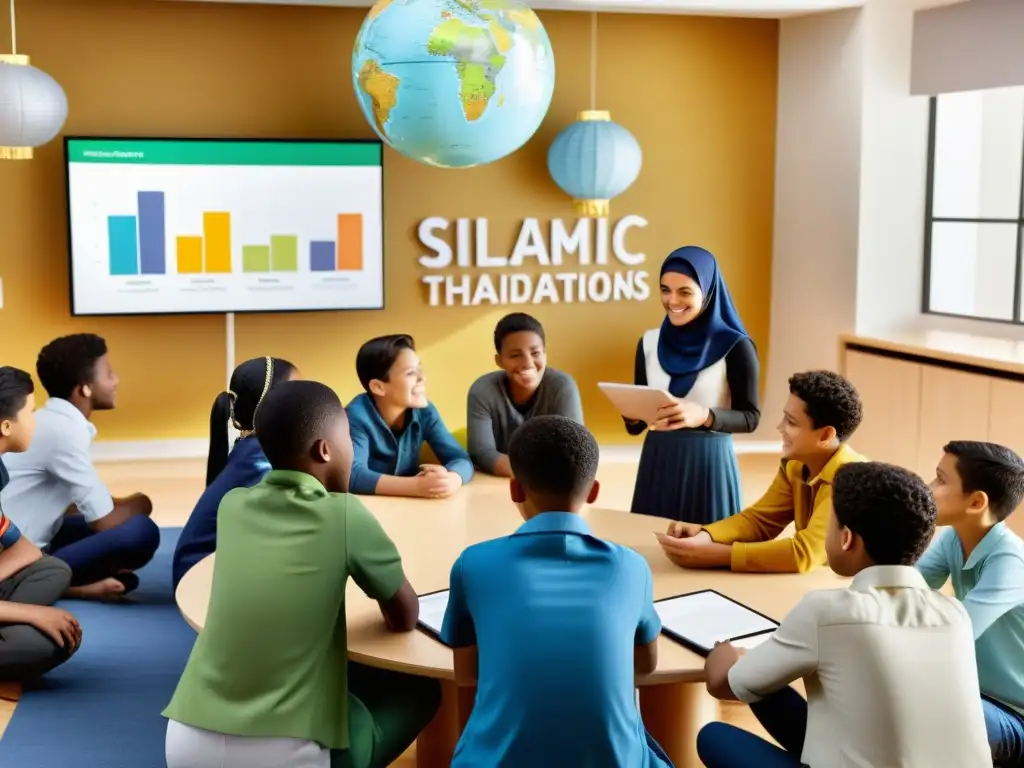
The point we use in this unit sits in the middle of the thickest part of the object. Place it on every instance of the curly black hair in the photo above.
(15, 387)
(69, 362)
(516, 322)
(889, 507)
(831, 401)
(991, 468)
(554, 456)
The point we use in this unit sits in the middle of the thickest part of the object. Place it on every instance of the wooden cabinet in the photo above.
(954, 406)
(914, 406)
(891, 392)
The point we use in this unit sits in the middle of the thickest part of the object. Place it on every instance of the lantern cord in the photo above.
(593, 57)
(14, 31)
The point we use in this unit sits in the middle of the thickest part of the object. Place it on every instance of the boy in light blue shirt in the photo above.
(551, 622)
(391, 422)
(977, 486)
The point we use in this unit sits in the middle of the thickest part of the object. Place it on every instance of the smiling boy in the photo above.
(822, 412)
(524, 387)
(392, 420)
(976, 487)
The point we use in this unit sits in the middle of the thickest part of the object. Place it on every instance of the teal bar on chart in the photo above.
(124, 244)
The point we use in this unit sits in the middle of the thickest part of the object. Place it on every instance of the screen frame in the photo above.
(426, 628)
(229, 140)
(696, 647)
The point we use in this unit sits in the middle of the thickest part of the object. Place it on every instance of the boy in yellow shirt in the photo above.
(822, 412)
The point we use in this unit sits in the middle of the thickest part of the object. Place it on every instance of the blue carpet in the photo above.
(102, 708)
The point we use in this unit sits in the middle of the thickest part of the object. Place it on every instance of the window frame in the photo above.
(930, 220)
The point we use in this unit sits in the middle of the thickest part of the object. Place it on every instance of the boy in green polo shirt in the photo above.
(268, 684)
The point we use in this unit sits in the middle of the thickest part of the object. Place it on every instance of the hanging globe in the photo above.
(33, 107)
(594, 160)
(453, 84)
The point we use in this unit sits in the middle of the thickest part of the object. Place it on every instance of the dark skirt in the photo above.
(689, 475)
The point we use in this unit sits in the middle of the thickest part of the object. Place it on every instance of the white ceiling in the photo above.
(760, 8)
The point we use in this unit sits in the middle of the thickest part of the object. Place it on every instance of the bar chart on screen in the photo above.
(194, 226)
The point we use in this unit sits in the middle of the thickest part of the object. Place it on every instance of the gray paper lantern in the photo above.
(33, 108)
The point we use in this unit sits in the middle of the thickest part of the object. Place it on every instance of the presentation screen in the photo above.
(176, 226)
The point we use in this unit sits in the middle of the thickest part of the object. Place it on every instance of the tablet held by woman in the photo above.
(703, 356)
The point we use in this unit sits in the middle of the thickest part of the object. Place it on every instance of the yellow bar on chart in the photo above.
(217, 234)
(190, 255)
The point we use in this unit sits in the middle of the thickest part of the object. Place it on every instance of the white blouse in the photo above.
(711, 389)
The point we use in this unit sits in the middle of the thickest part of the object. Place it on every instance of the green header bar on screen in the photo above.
(156, 152)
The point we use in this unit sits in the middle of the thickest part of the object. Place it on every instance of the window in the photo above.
(974, 214)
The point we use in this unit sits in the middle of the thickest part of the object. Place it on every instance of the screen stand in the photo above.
(229, 359)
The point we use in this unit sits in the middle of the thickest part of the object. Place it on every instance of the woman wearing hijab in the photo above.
(242, 466)
(704, 357)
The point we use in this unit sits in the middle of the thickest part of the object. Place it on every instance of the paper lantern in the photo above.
(33, 107)
(594, 160)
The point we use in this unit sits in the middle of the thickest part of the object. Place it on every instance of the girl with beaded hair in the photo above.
(228, 467)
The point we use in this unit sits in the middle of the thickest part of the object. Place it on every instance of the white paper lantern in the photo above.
(33, 107)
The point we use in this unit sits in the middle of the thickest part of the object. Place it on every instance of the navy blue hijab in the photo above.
(686, 350)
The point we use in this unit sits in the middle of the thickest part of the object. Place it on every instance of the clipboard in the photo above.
(636, 403)
(697, 620)
(430, 620)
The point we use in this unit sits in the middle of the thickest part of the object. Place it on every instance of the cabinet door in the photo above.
(1006, 427)
(890, 391)
(954, 406)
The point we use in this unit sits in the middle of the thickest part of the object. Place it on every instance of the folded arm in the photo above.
(763, 520)
(71, 463)
(801, 553)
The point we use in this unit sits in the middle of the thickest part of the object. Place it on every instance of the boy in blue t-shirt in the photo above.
(553, 622)
(976, 487)
(391, 422)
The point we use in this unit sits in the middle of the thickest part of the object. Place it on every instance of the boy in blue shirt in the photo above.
(976, 487)
(392, 420)
(552, 622)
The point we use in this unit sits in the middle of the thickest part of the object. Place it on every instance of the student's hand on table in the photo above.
(682, 414)
(678, 530)
(437, 484)
(437, 469)
(57, 624)
(698, 551)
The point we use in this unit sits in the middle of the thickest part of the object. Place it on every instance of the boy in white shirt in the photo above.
(888, 664)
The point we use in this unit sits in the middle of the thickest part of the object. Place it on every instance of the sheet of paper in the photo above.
(705, 618)
(432, 608)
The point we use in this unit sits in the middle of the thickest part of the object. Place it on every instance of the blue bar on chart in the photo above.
(124, 245)
(321, 256)
(152, 236)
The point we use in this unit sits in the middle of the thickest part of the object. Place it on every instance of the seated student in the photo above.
(55, 495)
(243, 467)
(888, 664)
(976, 487)
(553, 622)
(822, 412)
(392, 420)
(34, 636)
(499, 402)
(268, 683)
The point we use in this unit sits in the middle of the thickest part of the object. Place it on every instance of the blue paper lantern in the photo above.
(594, 160)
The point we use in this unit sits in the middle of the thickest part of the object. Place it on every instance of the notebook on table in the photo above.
(432, 608)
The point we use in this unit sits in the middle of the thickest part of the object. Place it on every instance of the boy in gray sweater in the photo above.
(524, 387)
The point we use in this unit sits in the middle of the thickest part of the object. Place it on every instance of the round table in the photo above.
(430, 536)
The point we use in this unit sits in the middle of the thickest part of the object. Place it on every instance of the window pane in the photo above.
(979, 138)
(972, 269)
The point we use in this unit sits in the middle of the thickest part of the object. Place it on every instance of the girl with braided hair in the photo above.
(227, 467)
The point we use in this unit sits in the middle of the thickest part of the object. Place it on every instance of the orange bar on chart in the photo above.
(350, 241)
(190, 255)
(217, 233)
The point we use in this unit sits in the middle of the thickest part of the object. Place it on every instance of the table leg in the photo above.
(673, 714)
(436, 743)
